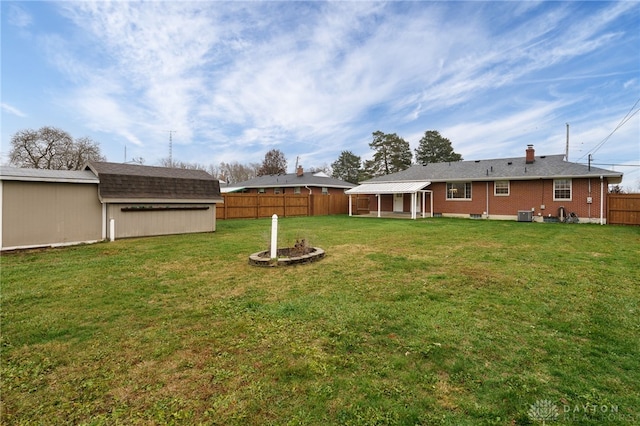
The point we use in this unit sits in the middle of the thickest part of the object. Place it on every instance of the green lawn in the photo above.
(436, 321)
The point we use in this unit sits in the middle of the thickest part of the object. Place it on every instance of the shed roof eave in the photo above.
(49, 180)
(109, 200)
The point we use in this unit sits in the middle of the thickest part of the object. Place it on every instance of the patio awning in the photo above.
(406, 187)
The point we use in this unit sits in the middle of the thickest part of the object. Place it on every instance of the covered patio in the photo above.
(414, 188)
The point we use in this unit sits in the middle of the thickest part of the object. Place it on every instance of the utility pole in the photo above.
(171, 132)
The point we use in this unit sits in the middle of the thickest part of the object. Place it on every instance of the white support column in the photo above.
(413, 205)
(350, 207)
(379, 202)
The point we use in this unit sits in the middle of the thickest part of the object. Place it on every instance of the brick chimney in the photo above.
(531, 155)
(299, 171)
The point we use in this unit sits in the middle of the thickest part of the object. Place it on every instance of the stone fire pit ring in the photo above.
(284, 257)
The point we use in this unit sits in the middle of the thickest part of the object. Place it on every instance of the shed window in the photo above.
(562, 189)
(458, 190)
(501, 187)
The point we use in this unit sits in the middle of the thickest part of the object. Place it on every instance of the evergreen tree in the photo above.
(392, 155)
(433, 148)
(347, 167)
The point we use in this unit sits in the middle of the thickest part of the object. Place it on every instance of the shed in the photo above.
(144, 200)
(40, 208)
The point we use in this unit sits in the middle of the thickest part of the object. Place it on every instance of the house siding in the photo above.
(523, 195)
(40, 214)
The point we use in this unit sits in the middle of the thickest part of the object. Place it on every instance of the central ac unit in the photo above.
(525, 216)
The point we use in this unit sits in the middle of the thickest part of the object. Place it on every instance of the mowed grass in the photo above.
(436, 321)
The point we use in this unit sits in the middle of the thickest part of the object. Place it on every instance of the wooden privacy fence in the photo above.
(254, 206)
(623, 209)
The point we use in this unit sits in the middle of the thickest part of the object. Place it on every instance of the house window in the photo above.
(296, 190)
(325, 190)
(562, 189)
(458, 190)
(261, 191)
(501, 187)
(277, 190)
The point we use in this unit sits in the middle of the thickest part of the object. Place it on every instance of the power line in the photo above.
(624, 120)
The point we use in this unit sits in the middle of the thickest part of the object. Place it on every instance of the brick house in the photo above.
(291, 183)
(538, 188)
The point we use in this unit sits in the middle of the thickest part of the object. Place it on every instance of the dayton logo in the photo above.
(543, 411)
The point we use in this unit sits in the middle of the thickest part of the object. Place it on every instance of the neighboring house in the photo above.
(523, 188)
(41, 208)
(292, 183)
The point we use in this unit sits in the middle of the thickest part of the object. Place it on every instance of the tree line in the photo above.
(53, 148)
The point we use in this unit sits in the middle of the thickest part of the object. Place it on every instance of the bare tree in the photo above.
(274, 163)
(236, 172)
(51, 148)
(166, 162)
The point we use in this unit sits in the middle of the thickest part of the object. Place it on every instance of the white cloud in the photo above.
(18, 17)
(12, 110)
(313, 79)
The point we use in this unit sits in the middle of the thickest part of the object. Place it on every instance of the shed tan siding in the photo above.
(137, 220)
(37, 214)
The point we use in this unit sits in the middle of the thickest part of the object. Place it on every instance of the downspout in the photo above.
(487, 207)
(431, 201)
(601, 200)
(308, 189)
(104, 221)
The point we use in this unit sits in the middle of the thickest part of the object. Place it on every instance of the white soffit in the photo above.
(389, 187)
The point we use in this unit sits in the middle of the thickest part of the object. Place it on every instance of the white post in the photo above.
(112, 229)
(274, 236)
(350, 207)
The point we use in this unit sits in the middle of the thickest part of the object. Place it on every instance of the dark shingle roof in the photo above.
(129, 181)
(293, 180)
(544, 167)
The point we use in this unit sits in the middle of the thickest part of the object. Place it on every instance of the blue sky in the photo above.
(236, 79)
